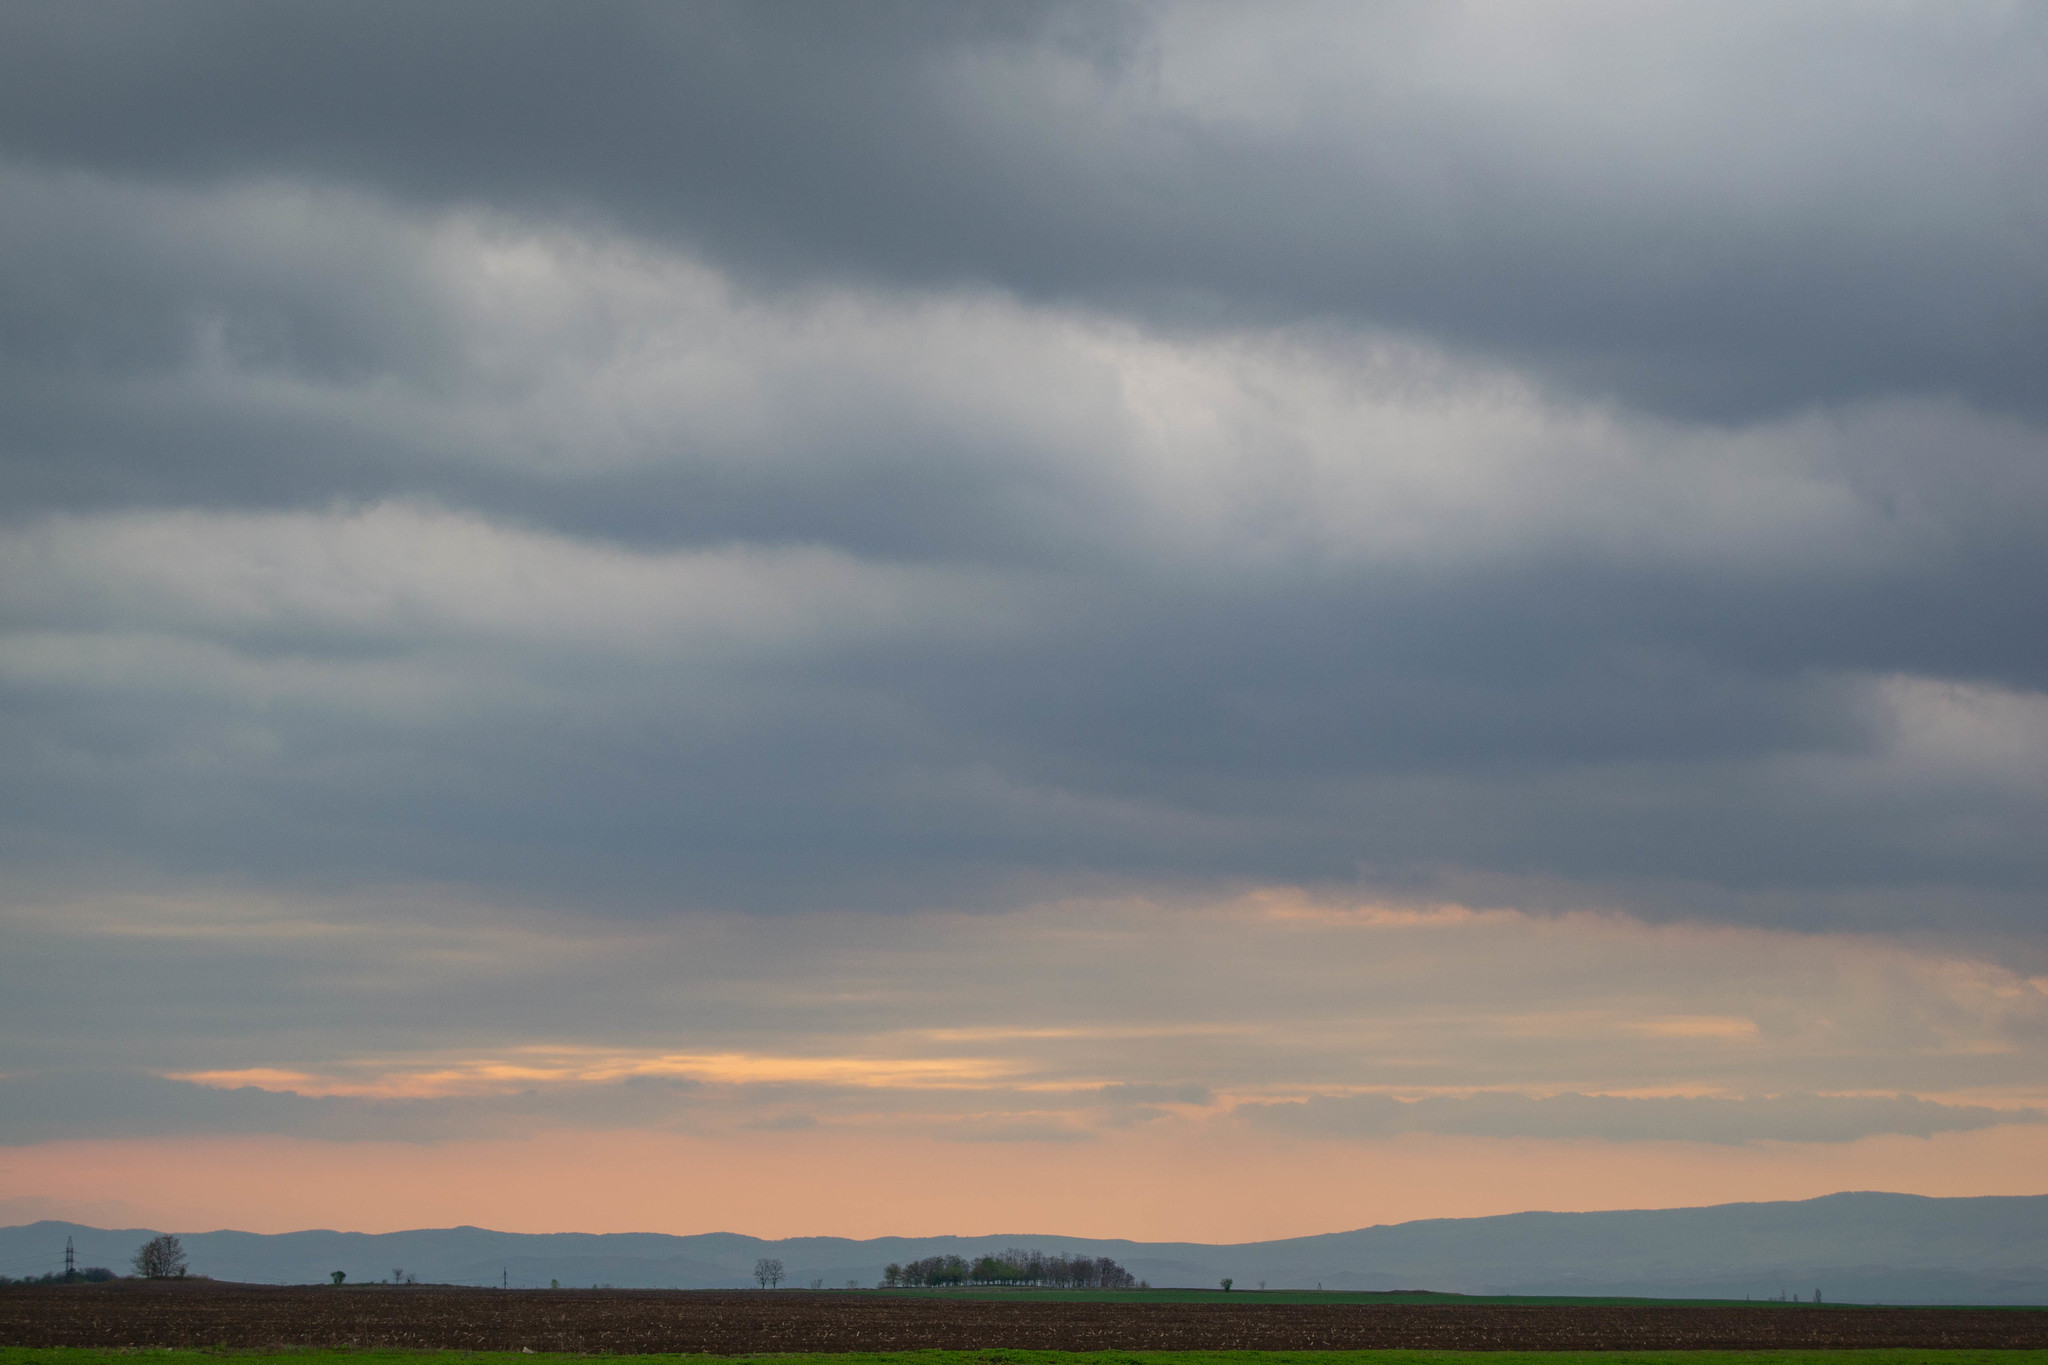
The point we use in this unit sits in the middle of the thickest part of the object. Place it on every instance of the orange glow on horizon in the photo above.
(1153, 1185)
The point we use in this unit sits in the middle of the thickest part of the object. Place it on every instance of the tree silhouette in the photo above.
(162, 1257)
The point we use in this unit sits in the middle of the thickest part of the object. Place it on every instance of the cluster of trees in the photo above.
(1015, 1266)
(768, 1272)
(160, 1258)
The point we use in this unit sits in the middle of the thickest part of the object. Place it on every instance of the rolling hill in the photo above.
(1856, 1247)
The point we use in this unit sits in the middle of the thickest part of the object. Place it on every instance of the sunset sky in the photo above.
(1150, 620)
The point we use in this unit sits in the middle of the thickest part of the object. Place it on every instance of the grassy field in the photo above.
(16, 1355)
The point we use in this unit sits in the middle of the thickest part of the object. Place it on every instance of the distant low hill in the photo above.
(1870, 1248)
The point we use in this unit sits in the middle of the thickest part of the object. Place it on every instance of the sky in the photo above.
(1153, 620)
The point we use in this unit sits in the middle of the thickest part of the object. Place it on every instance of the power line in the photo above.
(25, 1264)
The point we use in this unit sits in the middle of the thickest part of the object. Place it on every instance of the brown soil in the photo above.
(728, 1322)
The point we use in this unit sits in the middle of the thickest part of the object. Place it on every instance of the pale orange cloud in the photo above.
(527, 1067)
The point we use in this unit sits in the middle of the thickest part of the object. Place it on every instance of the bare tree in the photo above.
(162, 1257)
(768, 1272)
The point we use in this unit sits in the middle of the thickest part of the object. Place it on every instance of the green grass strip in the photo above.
(27, 1355)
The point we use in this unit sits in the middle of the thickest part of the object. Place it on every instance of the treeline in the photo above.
(1013, 1267)
(96, 1274)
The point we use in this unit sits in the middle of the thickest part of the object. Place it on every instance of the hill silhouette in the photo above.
(1854, 1247)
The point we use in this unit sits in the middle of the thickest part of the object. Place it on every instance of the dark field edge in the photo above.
(24, 1355)
(1395, 1296)
(1239, 1297)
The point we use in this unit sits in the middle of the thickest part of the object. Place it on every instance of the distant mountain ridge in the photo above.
(1857, 1247)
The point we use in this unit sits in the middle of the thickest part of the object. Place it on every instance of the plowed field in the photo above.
(725, 1322)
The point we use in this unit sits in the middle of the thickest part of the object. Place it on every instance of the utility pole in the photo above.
(70, 1260)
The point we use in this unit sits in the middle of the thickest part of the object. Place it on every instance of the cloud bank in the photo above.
(484, 486)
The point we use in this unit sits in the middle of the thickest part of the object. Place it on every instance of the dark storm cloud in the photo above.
(1731, 210)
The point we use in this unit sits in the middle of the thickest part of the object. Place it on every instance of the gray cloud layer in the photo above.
(1723, 210)
(1775, 1118)
(770, 456)
(47, 1108)
(1069, 1022)
(114, 1105)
